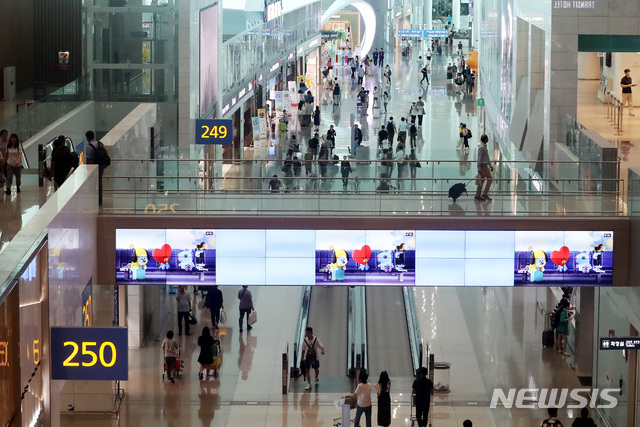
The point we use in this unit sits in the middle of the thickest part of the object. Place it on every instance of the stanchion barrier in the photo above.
(619, 119)
(363, 366)
(285, 371)
(609, 104)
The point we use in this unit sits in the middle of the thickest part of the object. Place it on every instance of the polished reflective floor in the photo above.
(490, 336)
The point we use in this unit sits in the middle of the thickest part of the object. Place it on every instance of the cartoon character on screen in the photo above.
(537, 261)
(361, 257)
(385, 261)
(140, 258)
(162, 256)
(583, 262)
(560, 259)
(185, 260)
(339, 261)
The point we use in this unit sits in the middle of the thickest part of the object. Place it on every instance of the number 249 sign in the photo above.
(214, 131)
(89, 354)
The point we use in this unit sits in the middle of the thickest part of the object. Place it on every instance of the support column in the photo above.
(455, 14)
(428, 14)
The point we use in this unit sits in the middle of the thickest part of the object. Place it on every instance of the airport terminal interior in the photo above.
(444, 191)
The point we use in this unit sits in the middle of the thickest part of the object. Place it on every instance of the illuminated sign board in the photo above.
(214, 131)
(620, 343)
(89, 354)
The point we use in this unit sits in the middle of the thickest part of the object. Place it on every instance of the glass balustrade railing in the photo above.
(248, 186)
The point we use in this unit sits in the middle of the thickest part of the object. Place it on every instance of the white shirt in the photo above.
(402, 126)
(309, 343)
(363, 393)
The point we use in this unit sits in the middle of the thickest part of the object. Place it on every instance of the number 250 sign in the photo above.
(214, 131)
(89, 354)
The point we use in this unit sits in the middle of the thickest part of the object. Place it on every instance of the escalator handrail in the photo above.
(303, 317)
(357, 326)
(413, 326)
(49, 146)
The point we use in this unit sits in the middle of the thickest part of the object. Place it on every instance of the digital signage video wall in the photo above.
(364, 257)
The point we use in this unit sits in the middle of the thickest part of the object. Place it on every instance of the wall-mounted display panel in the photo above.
(364, 257)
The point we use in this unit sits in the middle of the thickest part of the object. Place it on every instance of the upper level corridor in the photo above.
(244, 185)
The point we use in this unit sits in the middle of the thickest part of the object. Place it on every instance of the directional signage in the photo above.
(436, 33)
(480, 102)
(422, 33)
(214, 131)
(410, 33)
(620, 343)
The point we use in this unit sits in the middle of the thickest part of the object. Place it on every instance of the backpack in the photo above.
(101, 156)
(391, 128)
(469, 135)
(311, 356)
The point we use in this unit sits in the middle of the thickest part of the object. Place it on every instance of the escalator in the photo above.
(328, 317)
(388, 347)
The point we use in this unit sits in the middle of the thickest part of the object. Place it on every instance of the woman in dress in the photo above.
(205, 341)
(383, 387)
(14, 163)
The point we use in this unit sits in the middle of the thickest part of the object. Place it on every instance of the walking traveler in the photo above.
(484, 170)
(245, 306)
(309, 355)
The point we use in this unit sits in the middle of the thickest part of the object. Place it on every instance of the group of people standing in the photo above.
(422, 387)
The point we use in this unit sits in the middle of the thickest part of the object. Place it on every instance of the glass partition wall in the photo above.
(131, 52)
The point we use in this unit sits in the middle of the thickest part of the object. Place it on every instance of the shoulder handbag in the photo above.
(253, 317)
(192, 320)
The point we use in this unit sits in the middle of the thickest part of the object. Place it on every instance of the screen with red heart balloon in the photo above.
(364, 257)
(165, 257)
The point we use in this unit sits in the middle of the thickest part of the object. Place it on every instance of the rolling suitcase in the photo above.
(456, 190)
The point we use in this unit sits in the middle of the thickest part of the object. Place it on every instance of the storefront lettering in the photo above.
(574, 4)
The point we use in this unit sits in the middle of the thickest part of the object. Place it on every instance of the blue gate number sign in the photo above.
(89, 354)
(214, 131)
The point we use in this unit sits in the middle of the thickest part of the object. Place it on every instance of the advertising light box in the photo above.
(363, 257)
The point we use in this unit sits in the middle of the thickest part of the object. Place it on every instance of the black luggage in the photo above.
(456, 190)
(335, 159)
(547, 338)
(305, 120)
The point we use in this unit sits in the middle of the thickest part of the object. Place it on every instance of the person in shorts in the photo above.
(626, 84)
(310, 348)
